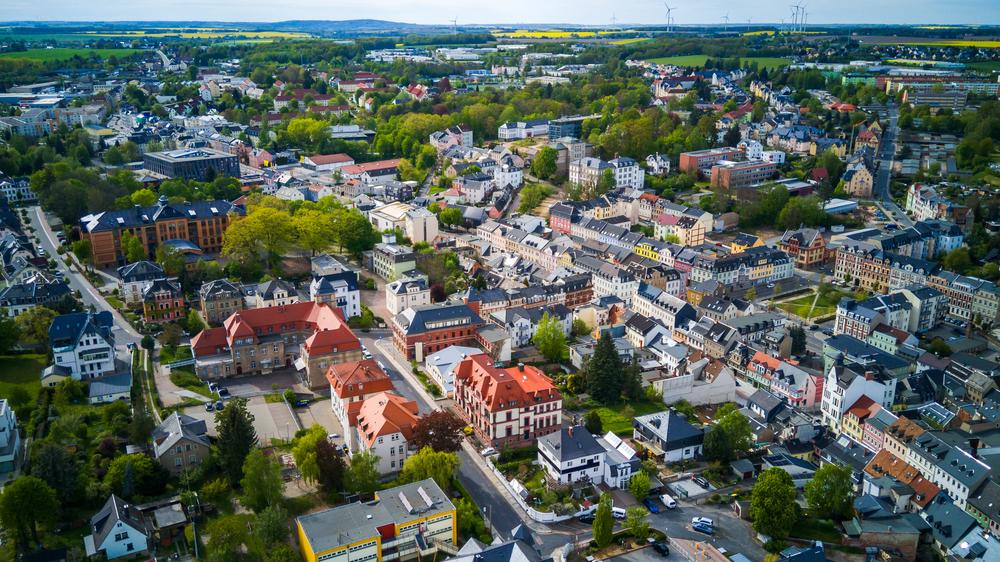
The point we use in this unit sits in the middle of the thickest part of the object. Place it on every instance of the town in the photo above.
(364, 291)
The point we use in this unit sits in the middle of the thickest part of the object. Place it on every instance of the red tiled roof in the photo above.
(357, 378)
(385, 414)
(765, 359)
(503, 389)
(323, 159)
(371, 166)
(863, 408)
(328, 323)
(884, 462)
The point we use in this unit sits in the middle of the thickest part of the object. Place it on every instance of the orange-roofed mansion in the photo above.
(506, 407)
(305, 336)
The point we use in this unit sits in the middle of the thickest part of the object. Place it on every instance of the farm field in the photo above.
(206, 33)
(66, 53)
(554, 33)
(770, 63)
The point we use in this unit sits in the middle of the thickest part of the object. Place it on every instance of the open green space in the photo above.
(825, 305)
(619, 419)
(171, 354)
(770, 63)
(66, 53)
(22, 371)
(985, 66)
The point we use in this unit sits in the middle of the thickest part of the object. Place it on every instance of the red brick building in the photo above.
(805, 245)
(701, 161)
(163, 301)
(422, 330)
(506, 407)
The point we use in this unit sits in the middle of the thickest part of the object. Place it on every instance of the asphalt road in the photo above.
(886, 154)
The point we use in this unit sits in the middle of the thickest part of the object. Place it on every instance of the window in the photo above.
(129, 547)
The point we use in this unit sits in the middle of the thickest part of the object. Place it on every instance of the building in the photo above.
(844, 386)
(668, 435)
(522, 323)
(805, 246)
(403, 522)
(384, 425)
(132, 279)
(163, 301)
(351, 383)
(202, 164)
(506, 407)
(181, 443)
(924, 203)
(441, 365)
(201, 223)
(219, 300)
(738, 179)
(701, 161)
(406, 293)
(423, 330)
(859, 176)
(83, 345)
(118, 530)
(338, 289)
(273, 292)
(417, 223)
(306, 335)
(515, 130)
(327, 162)
(569, 126)
(587, 171)
(37, 290)
(390, 261)
(571, 455)
(10, 440)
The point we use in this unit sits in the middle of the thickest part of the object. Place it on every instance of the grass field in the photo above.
(66, 53)
(770, 63)
(629, 41)
(986, 66)
(770, 32)
(21, 370)
(203, 33)
(825, 305)
(619, 420)
(981, 43)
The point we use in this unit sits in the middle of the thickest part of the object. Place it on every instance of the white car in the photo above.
(703, 520)
(668, 501)
(488, 452)
(333, 436)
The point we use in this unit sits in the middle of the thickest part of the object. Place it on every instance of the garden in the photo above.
(521, 464)
(809, 306)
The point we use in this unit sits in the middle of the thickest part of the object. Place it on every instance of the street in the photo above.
(883, 177)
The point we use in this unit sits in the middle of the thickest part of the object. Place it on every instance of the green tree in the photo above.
(750, 294)
(81, 249)
(272, 526)
(56, 466)
(33, 324)
(732, 136)
(632, 380)
(639, 485)
(264, 230)
(550, 338)
(958, 260)
(237, 437)
(717, 446)
(262, 483)
(830, 493)
(332, 469)
(593, 423)
(10, 334)
(451, 217)
(304, 451)
(606, 183)
(603, 522)
(798, 336)
(363, 475)
(470, 520)
(354, 234)
(428, 463)
(737, 429)
(314, 229)
(227, 536)
(27, 503)
(132, 247)
(144, 197)
(544, 165)
(580, 328)
(194, 323)
(636, 523)
(135, 474)
(772, 505)
(604, 369)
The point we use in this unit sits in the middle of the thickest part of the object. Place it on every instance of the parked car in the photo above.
(662, 548)
(212, 387)
(219, 405)
(650, 505)
(586, 518)
(618, 512)
(701, 482)
(333, 436)
(224, 393)
(366, 354)
(702, 528)
(209, 407)
(814, 327)
(702, 521)
(488, 452)
(668, 501)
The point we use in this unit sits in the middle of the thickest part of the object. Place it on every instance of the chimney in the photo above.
(570, 431)
(869, 375)
(520, 367)
(974, 447)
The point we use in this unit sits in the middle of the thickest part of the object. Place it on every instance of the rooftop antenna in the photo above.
(670, 17)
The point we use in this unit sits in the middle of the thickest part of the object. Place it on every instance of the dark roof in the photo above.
(140, 271)
(161, 285)
(572, 443)
(266, 289)
(105, 520)
(142, 216)
(33, 293)
(67, 329)
(220, 288)
(421, 319)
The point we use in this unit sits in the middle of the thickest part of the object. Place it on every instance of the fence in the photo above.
(540, 516)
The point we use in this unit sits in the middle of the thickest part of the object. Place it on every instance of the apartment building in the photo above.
(417, 223)
(701, 161)
(757, 265)
(220, 299)
(806, 247)
(163, 301)
(406, 293)
(423, 330)
(738, 179)
(845, 385)
(83, 345)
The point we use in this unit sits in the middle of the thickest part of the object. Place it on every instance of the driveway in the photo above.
(320, 413)
(270, 420)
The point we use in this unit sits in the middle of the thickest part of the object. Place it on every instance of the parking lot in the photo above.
(688, 488)
(320, 412)
(270, 420)
(258, 385)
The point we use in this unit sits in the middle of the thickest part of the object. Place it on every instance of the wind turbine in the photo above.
(795, 17)
(725, 21)
(613, 19)
(454, 26)
(670, 17)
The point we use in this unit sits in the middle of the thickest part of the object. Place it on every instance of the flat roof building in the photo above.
(192, 163)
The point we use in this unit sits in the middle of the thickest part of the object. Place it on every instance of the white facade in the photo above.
(774, 156)
(752, 149)
(10, 438)
(628, 173)
(391, 450)
(838, 397)
(508, 176)
(91, 357)
(403, 294)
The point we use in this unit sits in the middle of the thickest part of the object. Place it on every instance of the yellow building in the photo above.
(744, 242)
(404, 522)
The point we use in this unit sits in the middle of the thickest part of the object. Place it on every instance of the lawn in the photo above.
(825, 305)
(171, 354)
(816, 530)
(23, 371)
(619, 419)
(184, 377)
(770, 63)
(66, 53)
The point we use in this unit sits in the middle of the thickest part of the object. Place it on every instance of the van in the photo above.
(668, 501)
(618, 513)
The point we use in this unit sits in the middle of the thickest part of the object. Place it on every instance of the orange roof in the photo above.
(323, 159)
(503, 389)
(905, 429)
(328, 323)
(385, 414)
(770, 362)
(649, 197)
(863, 408)
(357, 378)
(371, 166)
(886, 463)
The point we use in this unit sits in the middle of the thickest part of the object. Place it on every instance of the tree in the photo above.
(170, 259)
(262, 484)
(18, 397)
(171, 336)
(603, 522)
(550, 338)
(227, 535)
(958, 260)
(148, 343)
(639, 485)
(636, 523)
(314, 229)
(737, 429)
(10, 334)
(580, 328)
(830, 493)
(604, 372)
(593, 423)
(132, 248)
(470, 520)
(332, 469)
(354, 234)
(135, 474)
(34, 323)
(237, 437)
(750, 294)
(143, 197)
(451, 217)
(81, 249)
(264, 230)
(440, 430)
(194, 323)
(607, 182)
(798, 336)
(732, 136)
(304, 451)
(717, 446)
(363, 475)
(632, 380)
(55, 465)
(544, 165)
(772, 505)
(26, 503)
(428, 463)
(272, 526)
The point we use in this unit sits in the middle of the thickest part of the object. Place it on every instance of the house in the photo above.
(110, 389)
(805, 245)
(132, 279)
(441, 365)
(384, 425)
(400, 522)
(10, 440)
(801, 471)
(162, 301)
(571, 455)
(83, 345)
(506, 407)
(423, 330)
(390, 261)
(326, 162)
(743, 242)
(117, 531)
(37, 290)
(845, 385)
(859, 176)
(181, 443)
(522, 323)
(338, 289)
(219, 300)
(417, 223)
(308, 335)
(406, 293)
(351, 383)
(274, 292)
(668, 435)
(620, 461)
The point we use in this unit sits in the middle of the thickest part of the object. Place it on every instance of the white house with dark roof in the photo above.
(117, 530)
(669, 435)
(10, 440)
(571, 455)
(132, 278)
(83, 346)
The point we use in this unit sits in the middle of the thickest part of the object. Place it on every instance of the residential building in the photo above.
(308, 335)
(844, 386)
(199, 223)
(740, 179)
(337, 289)
(417, 223)
(132, 279)
(118, 530)
(702, 161)
(458, 135)
(181, 443)
(956, 471)
(754, 265)
(200, 164)
(423, 330)
(37, 290)
(924, 203)
(522, 323)
(163, 301)
(806, 247)
(668, 435)
(506, 407)
(655, 303)
(351, 383)
(385, 424)
(274, 292)
(588, 171)
(390, 261)
(441, 365)
(860, 318)
(571, 455)
(410, 292)
(515, 130)
(83, 345)
(219, 300)
(859, 176)
(402, 522)
(11, 447)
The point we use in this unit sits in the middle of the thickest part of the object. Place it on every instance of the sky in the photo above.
(581, 12)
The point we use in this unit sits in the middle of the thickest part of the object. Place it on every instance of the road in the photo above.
(124, 332)
(883, 177)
